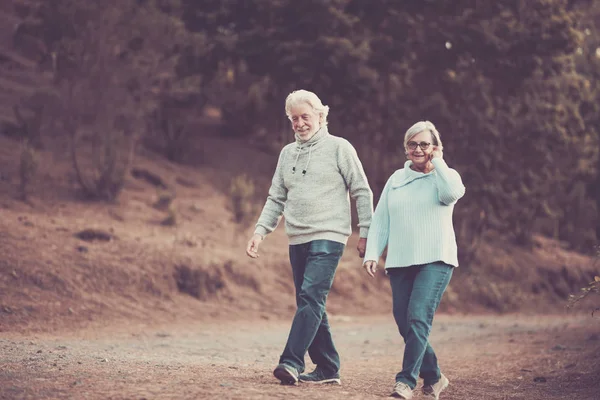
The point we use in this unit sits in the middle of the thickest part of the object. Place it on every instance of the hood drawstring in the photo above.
(307, 161)
(321, 134)
(296, 162)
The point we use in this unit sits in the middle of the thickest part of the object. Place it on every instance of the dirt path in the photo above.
(486, 357)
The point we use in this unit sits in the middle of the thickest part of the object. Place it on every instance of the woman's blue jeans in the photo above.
(416, 293)
(313, 266)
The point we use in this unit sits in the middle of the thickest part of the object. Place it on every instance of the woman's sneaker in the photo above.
(402, 391)
(433, 391)
(286, 374)
(318, 377)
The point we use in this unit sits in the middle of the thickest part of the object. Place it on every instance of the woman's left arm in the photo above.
(449, 182)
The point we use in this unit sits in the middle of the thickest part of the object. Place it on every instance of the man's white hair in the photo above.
(304, 96)
(420, 127)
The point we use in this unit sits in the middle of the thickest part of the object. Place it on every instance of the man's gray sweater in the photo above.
(311, 188)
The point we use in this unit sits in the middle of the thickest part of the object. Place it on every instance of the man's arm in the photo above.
(358, 187)
(272, 210)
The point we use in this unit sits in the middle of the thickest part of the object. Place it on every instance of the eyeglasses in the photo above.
(422, 145)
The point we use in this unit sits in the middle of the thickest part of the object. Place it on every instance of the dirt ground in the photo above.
(485, 357)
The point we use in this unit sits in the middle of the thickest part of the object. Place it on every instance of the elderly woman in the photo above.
(414, 220)
(314, 179)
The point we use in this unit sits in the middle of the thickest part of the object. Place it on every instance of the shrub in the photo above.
(592, 287)
(27, 168)
(199, 283)
(241, 192)
(102, 162)
(164, 199)
(171, 218)
(30, 124)
(170, 125)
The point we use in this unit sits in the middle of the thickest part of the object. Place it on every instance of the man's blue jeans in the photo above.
(313, 266)
(416, 293)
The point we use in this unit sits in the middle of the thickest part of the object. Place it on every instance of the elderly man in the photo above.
(315, 177)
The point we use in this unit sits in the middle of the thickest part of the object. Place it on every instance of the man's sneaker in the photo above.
(286, 374)
(433, 391)
(318, 377)
(402, 391)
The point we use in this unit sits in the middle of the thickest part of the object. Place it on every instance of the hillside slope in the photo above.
(129, 266)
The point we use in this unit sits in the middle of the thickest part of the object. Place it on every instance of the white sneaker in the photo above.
(433, 391)
(402, 391)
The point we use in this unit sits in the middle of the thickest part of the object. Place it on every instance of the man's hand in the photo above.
(371, 267)
(252, 247)
(361, 247)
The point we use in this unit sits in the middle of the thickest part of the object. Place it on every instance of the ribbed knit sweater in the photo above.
(311, 188)
(414, 217)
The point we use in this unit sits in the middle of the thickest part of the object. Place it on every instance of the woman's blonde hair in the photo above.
(420, 127)
(304, 96)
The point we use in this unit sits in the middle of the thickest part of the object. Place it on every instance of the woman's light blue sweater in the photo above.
(414, 217)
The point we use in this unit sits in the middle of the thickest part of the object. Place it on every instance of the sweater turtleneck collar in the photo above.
(407, 175)
(317, 137)
(408, 166)
(310, 143)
